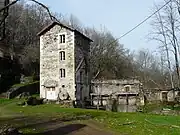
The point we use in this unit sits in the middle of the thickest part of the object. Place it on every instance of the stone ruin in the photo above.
(126, 94)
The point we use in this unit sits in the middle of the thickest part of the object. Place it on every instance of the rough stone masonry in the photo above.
(64, 54)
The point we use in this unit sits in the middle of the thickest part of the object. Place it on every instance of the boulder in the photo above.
(23, 95)
(13, 131)
(21, 103)
(9, 131)
(34, 101)
(40, 101)
(45, 100)
(31, 101)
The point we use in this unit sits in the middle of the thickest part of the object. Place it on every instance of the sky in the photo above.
(118, 16)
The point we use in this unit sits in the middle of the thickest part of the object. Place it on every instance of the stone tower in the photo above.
(64, 63)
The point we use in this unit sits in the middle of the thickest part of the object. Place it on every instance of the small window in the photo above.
(127, 88)
(62, 55)
(62, 39)
(62, 73)
(164, 96)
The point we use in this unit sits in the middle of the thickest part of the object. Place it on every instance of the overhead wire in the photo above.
(142, 22)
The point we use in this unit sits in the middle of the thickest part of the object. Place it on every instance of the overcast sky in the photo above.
(118, 16)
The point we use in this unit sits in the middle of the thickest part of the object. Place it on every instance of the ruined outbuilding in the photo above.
(64, 63)
(157, 94)
(128, 93)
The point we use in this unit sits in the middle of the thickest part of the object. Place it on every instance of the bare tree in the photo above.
(108, 59)
(8, 4)
(166, 26)
(148, 67)
(160, 35)
(3, 16)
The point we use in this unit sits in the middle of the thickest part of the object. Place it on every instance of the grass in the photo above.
(158, 106)
(23, 84)
(122, 123)
(152, 107)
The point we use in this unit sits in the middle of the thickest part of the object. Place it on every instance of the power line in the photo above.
(141, 22)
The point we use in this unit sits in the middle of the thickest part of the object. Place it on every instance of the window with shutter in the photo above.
(62, 39)
(62, 73)
(62, 55)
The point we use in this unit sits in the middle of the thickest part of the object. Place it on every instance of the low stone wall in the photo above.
(103, 87)
(152, 96)
(32, 88)
(126, 108)
(128, 103)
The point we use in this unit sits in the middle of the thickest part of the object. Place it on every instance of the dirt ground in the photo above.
(75, 128)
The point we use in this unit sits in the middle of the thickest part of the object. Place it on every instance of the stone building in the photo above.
(64, 63)
(154, 95)
(128, 93)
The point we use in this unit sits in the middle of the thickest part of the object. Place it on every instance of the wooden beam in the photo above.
(79, 65)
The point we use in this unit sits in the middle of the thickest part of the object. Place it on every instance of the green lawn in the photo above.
(125, 123)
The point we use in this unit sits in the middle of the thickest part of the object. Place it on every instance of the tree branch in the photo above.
(47, 9)
(10, 4)
(35, 1)
(14, 2)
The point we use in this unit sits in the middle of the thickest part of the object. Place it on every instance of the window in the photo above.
(62, 39)
(62, 73)
(62, 55)
(127, 88)
(164, 96)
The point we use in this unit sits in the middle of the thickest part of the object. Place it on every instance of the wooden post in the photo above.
(91, 100)
(98, 99)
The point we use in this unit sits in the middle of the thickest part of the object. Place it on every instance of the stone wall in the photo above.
(127, 99)
(114, 86)
(48, 59)
(153, 95)
(30, 88)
